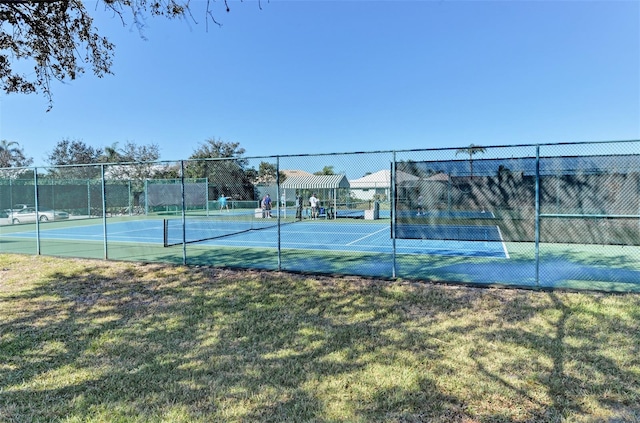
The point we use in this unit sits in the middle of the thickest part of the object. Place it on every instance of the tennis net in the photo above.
(449, 232)
(203, 228)
(353, 209)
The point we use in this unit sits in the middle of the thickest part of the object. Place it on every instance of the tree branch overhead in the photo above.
(59, 39)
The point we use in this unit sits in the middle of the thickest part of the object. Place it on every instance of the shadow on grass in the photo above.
(156, 343)
(256, 348)
(579, 374)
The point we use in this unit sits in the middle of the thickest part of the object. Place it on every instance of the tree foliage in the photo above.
(70, 152)
(268, 173)
(12, 155)
(139, 153)
(58, 40)
(133, 162)
(74, 152)
(224, 167)
(327, 170)
(218, 149)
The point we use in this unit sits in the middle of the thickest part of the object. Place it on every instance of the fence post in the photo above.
(184, 215)
(103, 190)
(37, 206)
(278, 210)
(537, 218)
(146, 197)
(393, 214)
(206, 195)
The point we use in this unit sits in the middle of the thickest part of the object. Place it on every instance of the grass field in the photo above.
(97, 341)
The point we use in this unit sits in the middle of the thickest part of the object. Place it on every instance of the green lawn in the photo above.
(96, 341)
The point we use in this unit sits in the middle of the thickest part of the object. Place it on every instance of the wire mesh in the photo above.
(548, 215)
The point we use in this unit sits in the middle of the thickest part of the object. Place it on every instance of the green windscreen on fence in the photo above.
(585, 200)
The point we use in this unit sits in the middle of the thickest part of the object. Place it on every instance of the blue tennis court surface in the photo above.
(307, 235)
(448, 214)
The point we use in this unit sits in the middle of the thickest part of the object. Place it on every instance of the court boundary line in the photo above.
(366, 236)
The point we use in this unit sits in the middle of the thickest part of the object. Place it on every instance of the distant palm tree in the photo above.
(327, 170)
(112, 154)
(9, 150)
(471, 150)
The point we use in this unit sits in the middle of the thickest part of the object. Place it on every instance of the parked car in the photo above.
(29, 215)
(5, 217)
(18, 207)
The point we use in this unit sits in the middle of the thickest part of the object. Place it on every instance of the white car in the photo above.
(5, 217)
(29, 215)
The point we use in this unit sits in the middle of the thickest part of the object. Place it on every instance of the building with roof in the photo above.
(330, 189)
(377, 185)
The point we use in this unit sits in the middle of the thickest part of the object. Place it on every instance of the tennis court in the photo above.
(319, 235)
(548, 215)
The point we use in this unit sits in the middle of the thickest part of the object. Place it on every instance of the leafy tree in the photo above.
(267, 173)
(218, 149)
(139, 153)
(12, 155)
(68, 152)
(111, 154)
(58, 38)
(327, 170)
(471, 151)
(224, 167)
(74, 152)
(168, 171)
(132, 162)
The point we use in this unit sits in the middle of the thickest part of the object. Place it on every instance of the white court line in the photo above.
(504, 246)
(367, 236)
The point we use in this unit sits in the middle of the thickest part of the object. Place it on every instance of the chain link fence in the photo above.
(542, 216)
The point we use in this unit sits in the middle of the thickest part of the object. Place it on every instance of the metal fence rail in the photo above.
(542, 216)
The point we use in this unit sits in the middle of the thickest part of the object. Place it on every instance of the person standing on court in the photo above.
(223, 202)
(266, 206)
(313, 202)
(298, 206)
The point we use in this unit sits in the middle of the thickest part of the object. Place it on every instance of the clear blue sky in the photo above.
(338, 76)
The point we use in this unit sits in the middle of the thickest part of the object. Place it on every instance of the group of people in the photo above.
(314, 203)
(266, 203)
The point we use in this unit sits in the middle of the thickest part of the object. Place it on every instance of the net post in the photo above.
(165, 232)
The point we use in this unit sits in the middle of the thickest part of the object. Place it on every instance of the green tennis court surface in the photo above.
(324, 235)
(344, 246)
